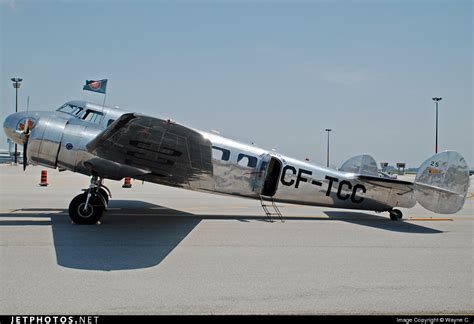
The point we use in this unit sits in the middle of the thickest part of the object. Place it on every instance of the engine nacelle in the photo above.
(58, 142)
(45, 140)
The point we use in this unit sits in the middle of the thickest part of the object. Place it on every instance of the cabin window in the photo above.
(247, 160)
(220, 153)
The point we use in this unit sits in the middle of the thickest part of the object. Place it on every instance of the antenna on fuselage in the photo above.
(102, 110)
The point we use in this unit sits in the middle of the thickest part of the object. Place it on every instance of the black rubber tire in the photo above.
(395, 214)
(89, 216)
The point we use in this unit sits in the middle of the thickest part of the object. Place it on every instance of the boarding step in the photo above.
(263, 200)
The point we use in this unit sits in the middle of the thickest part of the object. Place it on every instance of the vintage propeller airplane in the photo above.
(109, 143)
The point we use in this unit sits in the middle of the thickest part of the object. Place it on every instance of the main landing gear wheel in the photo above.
(83, 212)
(88, 207)
(395, 214)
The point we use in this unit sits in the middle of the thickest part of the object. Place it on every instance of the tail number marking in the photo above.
(343, 185)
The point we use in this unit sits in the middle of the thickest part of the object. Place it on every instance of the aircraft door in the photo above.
(268, 175)
(259, 180)
(272, 177)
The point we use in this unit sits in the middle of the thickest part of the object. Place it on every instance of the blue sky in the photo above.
(276, 73)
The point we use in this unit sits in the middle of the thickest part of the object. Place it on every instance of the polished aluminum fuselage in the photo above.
(299, 182)
(59, 140)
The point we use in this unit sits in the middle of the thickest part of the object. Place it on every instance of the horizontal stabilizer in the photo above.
(398, 193)
(442, 182)
(386, 182)
(361, 164)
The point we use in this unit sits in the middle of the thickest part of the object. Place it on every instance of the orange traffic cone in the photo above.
(127, 182)
(44, 178)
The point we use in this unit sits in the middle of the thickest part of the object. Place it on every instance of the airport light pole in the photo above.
(436, 99)
(16, 85)
(327, 155)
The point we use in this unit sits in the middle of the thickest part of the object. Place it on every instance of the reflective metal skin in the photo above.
(108, 143)
(361, 164)
(58, 139)
(442, 183)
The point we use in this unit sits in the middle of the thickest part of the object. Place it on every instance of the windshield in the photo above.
(70, 109)
(89, 115)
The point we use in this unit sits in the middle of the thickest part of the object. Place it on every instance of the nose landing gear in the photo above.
(88, 207)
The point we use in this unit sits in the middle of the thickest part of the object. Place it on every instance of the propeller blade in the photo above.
(25, 158)
(26, 132)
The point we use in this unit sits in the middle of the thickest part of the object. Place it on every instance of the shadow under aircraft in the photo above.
(141, 235)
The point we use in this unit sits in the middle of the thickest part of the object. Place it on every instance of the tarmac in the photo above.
(162, 250)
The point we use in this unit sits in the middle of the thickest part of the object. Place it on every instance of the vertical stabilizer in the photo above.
(442, 182)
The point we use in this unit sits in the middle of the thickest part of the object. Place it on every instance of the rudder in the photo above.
(442, 182)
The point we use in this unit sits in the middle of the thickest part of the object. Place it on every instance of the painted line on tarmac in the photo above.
(430, 219)
(24, 219)
(201, 207)
(151, 215)
(33, 211)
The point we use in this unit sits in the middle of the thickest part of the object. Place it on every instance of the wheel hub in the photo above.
(85, 210)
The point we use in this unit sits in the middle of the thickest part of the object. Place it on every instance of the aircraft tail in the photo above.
(442, 182)
(361, 164)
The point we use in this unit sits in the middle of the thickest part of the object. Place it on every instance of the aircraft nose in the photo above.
(11, 127)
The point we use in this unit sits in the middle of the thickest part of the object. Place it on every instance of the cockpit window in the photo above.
(65, 108)
(92, 116)
(79, 112)
(70, 109)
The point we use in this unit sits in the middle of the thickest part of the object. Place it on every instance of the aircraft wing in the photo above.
(173, 153)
